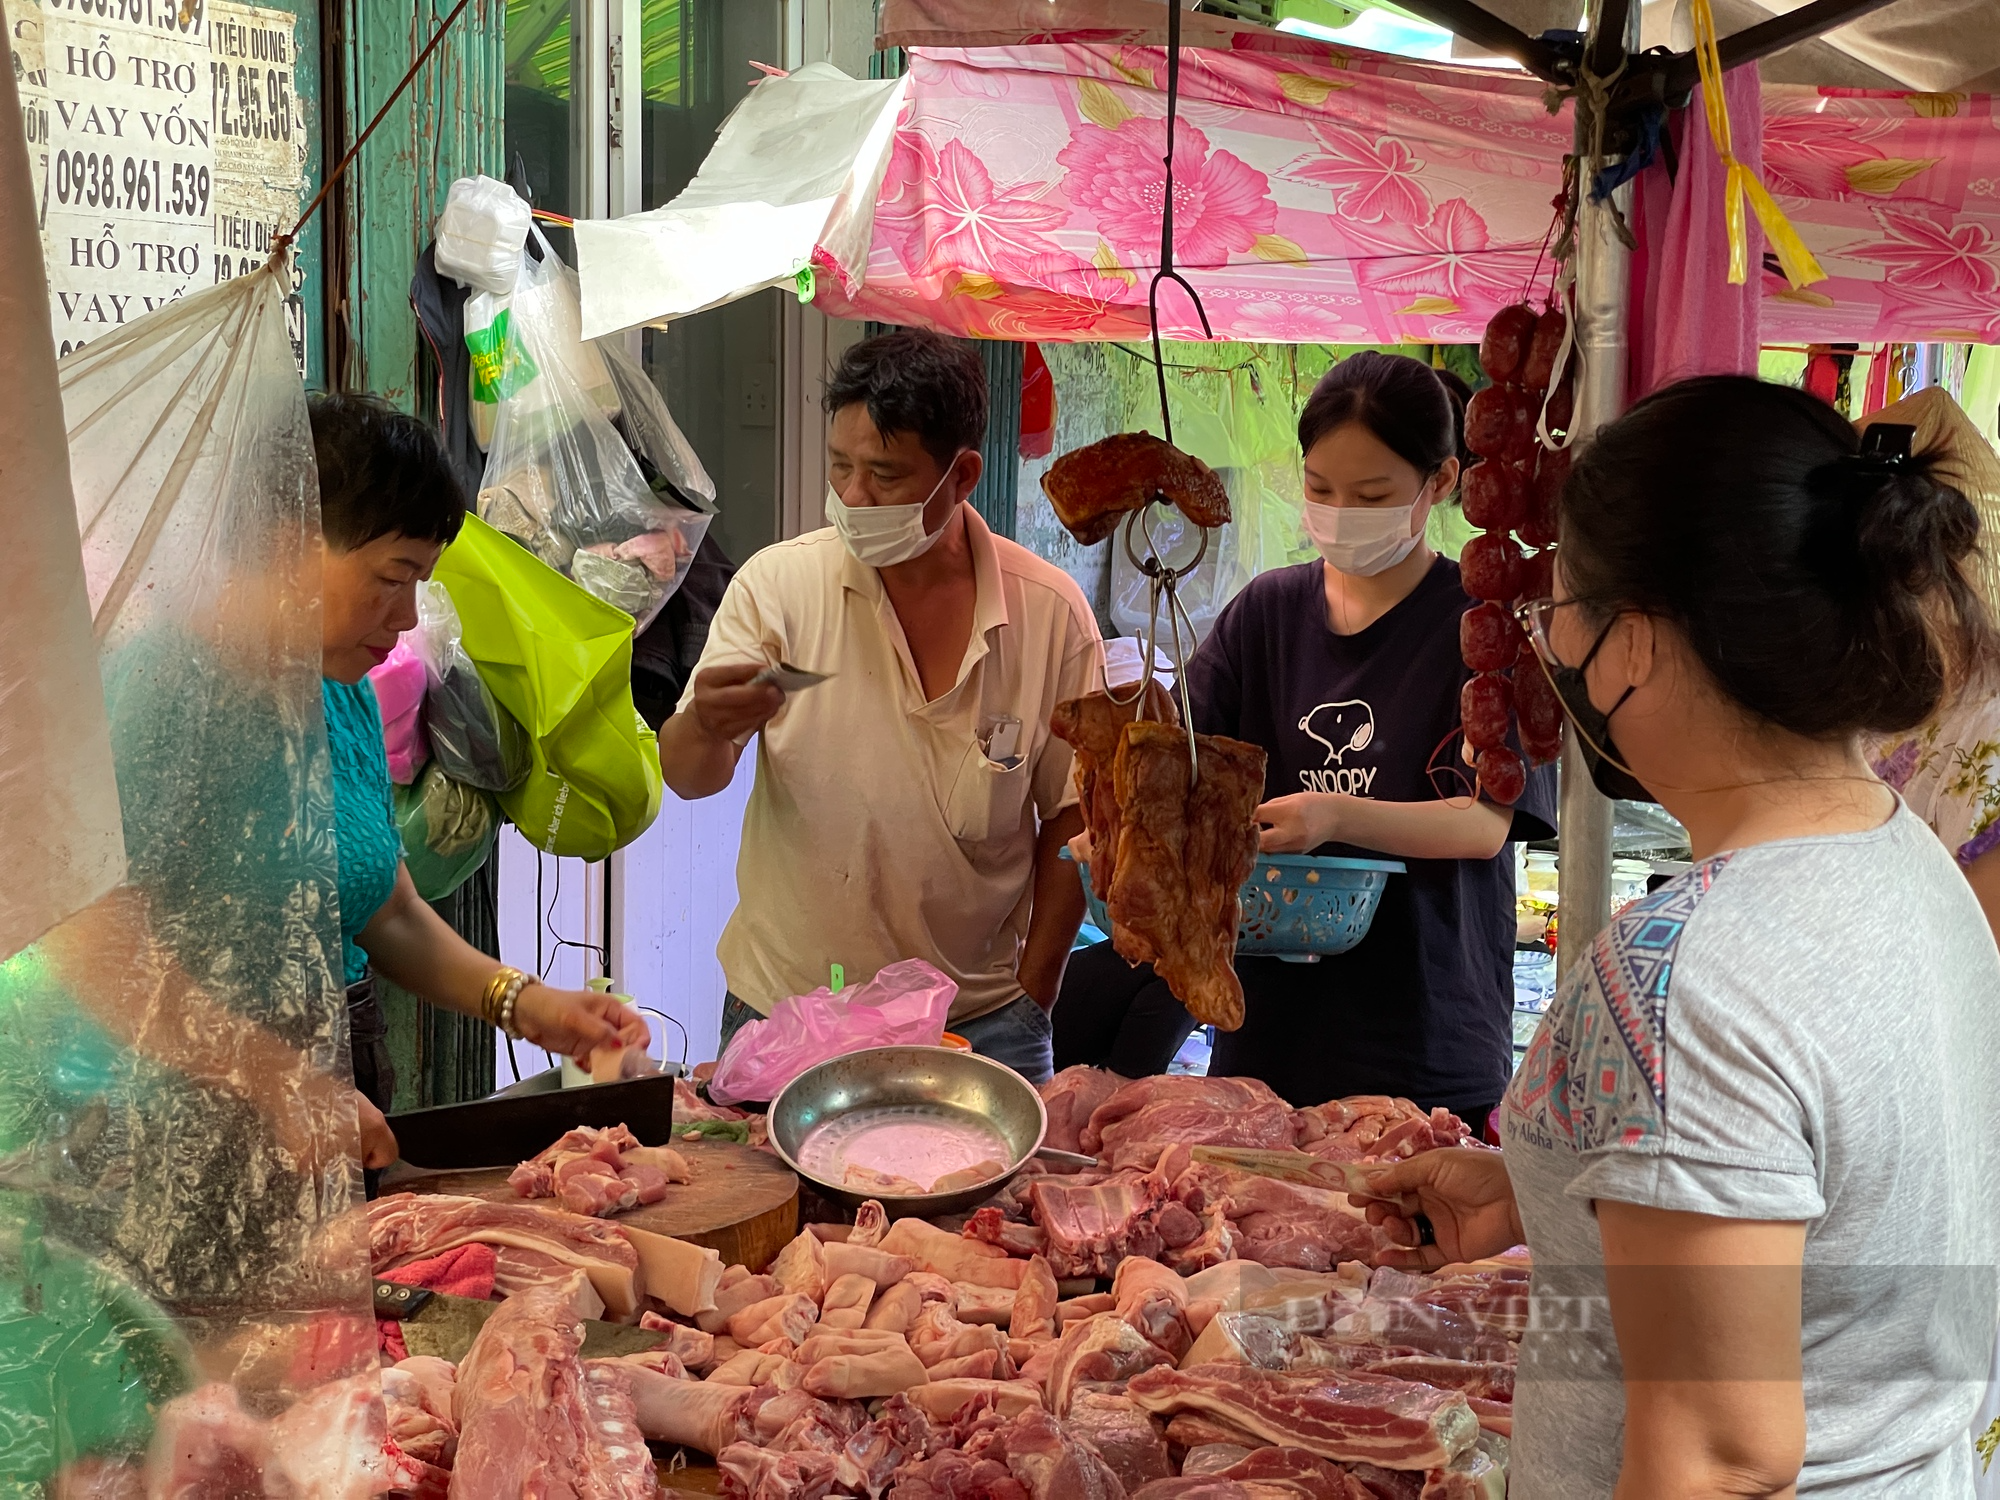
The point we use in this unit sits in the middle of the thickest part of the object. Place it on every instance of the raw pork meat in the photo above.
(1389, 1484)
(535, 1247)
(599, 1172)
(1093, 1226)
(1293, 1471)
(204, 1443)
(1281, 1223)
(1150, 1112)
(531, 1423)
(1490, 1380)
(1337, 1414)
(1071, 1097)
(691, 1109)
(1375, 1127)
(990, 1226)
(950, 1475)
(753, 1473)
(619, 1462)
(417, 1393)
(871, 1222)
(1046, 1460)
(1101, 1350)
(1131, 1441)
(1186, 846)
(331, 1444)
(900, 1434)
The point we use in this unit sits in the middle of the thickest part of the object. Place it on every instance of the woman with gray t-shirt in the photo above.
(1755, 1144)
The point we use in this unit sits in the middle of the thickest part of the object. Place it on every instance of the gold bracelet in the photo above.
(496, 989)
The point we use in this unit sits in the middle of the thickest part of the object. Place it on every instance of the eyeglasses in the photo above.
(1534, 616)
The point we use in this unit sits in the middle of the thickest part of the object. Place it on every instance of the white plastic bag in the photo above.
(904, 1005)
(480, 234)
(1220, 576)
(559, 477)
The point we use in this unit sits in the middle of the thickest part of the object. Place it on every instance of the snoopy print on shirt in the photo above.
(1344, 730)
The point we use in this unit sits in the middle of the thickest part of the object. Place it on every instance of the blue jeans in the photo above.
(1018, 1034)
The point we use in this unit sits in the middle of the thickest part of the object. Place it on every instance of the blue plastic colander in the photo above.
(1298, 907)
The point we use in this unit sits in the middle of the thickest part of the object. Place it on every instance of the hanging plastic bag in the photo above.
(1220, 576)
(497, 367)
(480, 234)
(904, 1005)
(560, 479)
(560, 661)
(475, 739)
(448, 828)
(181, 1200)
(653, 435)
(399, 694)
(668, 463)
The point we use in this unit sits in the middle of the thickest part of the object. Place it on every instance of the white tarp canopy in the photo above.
(796, 165)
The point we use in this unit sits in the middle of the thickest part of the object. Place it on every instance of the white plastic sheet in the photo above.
(58, 803)
(796, 165)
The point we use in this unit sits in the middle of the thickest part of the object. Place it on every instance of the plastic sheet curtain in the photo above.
(59, 825)
(177, 1249)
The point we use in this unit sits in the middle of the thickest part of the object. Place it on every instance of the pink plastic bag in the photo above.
(399, 692)
(904, 1005)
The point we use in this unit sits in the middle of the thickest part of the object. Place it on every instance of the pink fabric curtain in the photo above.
(1319, 195)
(1686, 317)
(1323, 195)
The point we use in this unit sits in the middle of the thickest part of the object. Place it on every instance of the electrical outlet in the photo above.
(756, 396)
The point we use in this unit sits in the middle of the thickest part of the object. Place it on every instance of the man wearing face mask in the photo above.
(1346, 671)
(914, 805)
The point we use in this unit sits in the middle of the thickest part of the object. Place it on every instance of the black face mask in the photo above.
(1593, 729)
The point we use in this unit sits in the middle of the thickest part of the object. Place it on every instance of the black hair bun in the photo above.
(1825, 589)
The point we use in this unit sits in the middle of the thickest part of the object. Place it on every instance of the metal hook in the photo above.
(1163, 580)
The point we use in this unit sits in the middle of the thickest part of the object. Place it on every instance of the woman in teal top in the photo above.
(388, 505)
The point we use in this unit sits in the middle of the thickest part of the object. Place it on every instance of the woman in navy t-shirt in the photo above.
(1347, 672)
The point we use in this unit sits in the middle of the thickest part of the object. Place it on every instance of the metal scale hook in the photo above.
(1162, 581)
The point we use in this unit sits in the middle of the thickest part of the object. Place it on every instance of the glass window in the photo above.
(718, 369)
(542, 74)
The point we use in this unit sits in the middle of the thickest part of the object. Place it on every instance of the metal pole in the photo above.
(1603, 296)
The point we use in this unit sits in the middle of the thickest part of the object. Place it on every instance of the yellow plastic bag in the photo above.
(560, 661)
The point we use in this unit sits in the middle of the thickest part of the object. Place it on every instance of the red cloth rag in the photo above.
(466, 1271)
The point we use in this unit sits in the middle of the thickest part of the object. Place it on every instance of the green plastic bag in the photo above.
(560, 661)
(448, 829)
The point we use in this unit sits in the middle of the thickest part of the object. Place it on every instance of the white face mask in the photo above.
(883, 535)
(1362, 539)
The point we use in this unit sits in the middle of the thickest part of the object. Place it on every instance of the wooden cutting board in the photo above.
(742, 1203)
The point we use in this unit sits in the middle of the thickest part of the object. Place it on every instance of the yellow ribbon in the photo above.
(1793, 257)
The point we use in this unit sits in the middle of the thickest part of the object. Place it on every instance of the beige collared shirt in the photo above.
(878, 827)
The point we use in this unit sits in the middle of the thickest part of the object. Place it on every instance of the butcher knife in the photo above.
(1350, 1177)
(514, 1124)
(443, 1325)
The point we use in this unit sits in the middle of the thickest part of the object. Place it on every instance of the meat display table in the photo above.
(742, 1203)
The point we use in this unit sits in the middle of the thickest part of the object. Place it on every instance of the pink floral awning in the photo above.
(1328, 196)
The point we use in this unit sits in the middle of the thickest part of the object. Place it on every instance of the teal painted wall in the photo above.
(448, 125)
